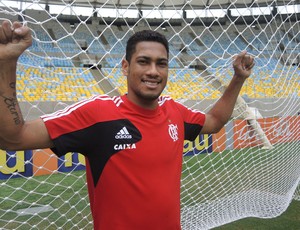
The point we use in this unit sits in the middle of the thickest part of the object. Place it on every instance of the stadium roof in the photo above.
(166, 4)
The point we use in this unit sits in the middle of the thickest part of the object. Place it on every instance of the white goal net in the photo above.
(251, 168)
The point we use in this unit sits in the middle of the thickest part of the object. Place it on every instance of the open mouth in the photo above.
(151, 83)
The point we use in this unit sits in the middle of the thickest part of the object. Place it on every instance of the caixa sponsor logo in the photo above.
(124, 146)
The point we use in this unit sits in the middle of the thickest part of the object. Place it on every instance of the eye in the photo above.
(142, 61)
(163, 64)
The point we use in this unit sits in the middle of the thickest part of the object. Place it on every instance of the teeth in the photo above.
(150, 83)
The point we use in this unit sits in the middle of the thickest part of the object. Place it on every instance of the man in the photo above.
(133, 143)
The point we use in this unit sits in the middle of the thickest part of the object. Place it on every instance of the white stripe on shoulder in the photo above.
(71, 108)
(193, 110)
(117, 100)
(163, 99)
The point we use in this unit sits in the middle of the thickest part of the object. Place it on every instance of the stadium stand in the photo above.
(106, 46)
(56, 84)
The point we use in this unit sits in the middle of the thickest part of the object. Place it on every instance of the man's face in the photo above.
(147, 73)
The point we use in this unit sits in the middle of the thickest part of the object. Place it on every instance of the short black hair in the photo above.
(144, 35)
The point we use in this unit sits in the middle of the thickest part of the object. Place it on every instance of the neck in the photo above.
(150, 104)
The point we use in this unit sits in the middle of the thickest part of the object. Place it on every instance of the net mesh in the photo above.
(250, 168)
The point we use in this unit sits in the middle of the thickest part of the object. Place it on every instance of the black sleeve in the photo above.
(191, 131)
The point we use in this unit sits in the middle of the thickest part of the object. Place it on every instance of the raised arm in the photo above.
(15, 133)
(221, 112)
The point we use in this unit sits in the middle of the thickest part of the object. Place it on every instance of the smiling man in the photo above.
(133, 143)
(146, 71)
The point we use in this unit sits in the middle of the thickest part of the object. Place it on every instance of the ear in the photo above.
(125, 66)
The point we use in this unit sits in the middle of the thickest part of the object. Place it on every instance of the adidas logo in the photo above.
(123, 134)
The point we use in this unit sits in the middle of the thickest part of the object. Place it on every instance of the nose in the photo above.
(153, 71)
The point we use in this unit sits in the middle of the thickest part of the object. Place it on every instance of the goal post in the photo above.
(77, 52)
(241, 110)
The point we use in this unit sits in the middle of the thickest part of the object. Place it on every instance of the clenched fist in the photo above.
(14, 40)
(242, 65)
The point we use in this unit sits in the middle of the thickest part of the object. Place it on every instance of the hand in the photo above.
(243, 65)
(14, 40)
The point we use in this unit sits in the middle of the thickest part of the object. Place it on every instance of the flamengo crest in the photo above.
(173, 132)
